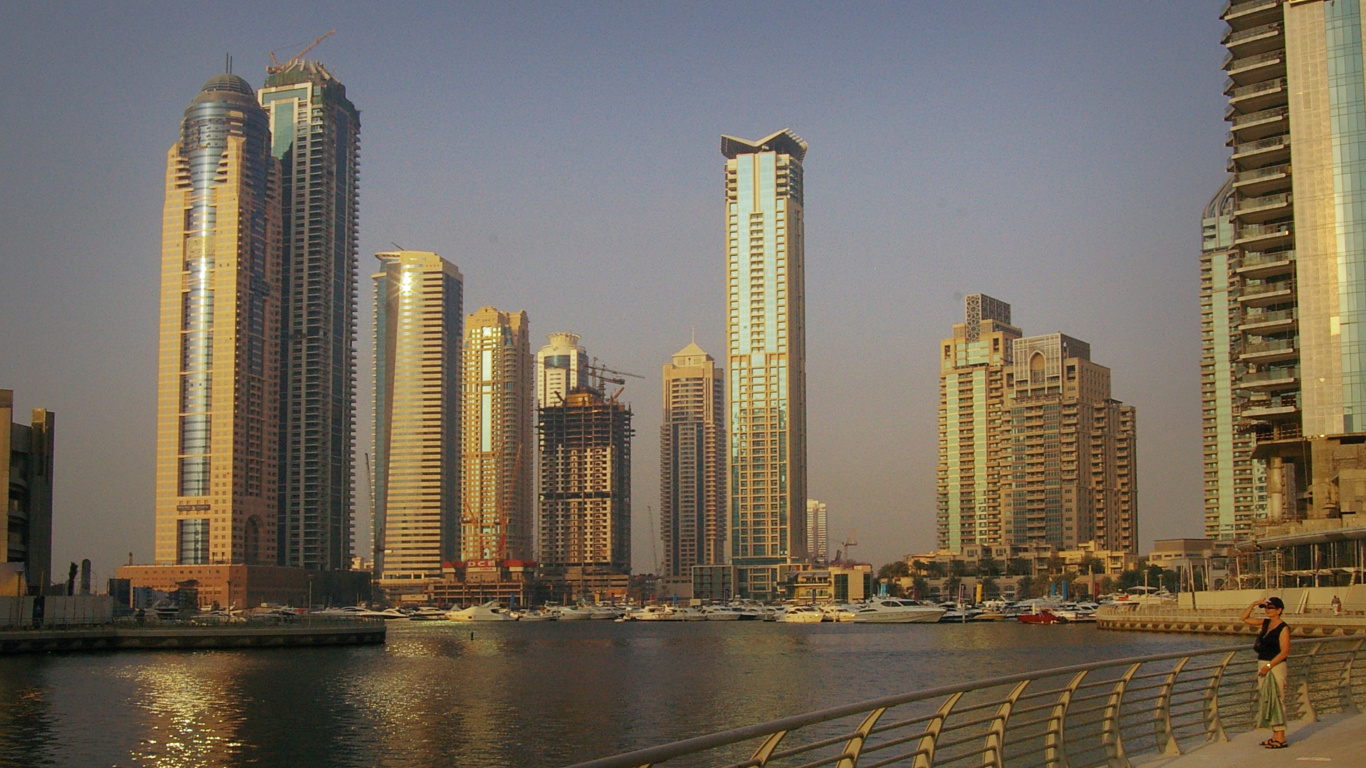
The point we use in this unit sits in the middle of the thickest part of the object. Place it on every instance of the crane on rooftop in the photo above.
(276, 66)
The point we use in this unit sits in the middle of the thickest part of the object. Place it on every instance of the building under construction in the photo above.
(585, 498)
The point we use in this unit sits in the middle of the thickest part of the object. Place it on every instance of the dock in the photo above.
(1216, 621)
(187, 636)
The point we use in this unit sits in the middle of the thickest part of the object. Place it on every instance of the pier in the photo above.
(304, 632)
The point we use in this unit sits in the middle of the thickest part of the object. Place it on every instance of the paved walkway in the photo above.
(1338, 740)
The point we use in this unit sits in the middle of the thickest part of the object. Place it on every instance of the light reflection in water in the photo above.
(540, 694)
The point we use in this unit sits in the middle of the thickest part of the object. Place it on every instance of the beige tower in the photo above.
(766, 355)
(499, 451)
(974, 428)
(417, 418)
(692, 464)
(218, 371)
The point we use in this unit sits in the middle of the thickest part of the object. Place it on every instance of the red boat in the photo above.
(1042, 617)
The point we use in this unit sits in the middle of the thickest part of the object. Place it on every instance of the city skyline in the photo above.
(911, 259)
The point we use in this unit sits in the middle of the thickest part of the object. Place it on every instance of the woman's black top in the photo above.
(1268, 645)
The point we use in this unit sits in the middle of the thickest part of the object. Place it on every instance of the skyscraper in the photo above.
(499, 449)
(561, 365)
(1073, 461)
(316, 137)
(692, 464)
(585, 494)
(1235, 483)
(817, 530)
(974, 425)
(766, 355)
(26, 475)
(417, 451)
(1297, 254)
(218, 374)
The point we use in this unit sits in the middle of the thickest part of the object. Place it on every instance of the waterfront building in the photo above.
(817, 531)
(218, 373)
(561, 365)
(499, 451)
(766, 357)
(417, 454)
(315, 135)
(1296, 250)
(26, 475)
(1234, 482)
(692, 465)
(975, 366)
(1073, 456)
(585, 489)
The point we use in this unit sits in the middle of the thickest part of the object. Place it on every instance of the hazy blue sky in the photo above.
(1055, 155)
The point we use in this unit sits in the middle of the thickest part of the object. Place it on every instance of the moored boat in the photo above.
(888, 610)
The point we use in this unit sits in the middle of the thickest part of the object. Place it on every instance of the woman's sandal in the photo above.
(1275, 744)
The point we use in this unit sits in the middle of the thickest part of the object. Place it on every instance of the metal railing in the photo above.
(1097, 714)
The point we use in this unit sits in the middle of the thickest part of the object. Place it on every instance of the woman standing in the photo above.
(1272, 648)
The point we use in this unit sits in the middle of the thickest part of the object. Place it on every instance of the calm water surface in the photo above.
(539, 694)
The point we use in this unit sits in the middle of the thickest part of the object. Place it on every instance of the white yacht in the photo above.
(800, 614)
(574, 613)
(490, 611)
(838, 613)
(890, 610)
(605, 612)
(721, 613)
(427, 613)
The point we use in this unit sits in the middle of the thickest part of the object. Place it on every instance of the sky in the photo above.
(566, 157)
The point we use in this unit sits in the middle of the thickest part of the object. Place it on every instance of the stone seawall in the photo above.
(1221, 622)
(123, 637)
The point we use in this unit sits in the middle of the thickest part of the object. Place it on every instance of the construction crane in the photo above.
(276, 66)
(597, 372)
(849, 543)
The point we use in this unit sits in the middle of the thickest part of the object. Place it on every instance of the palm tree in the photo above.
(987, 566)
(1018, 566)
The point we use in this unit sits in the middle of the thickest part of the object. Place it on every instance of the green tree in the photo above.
(958, 568)
(951, 585)
(1023, 587)
(1055, 564)
(893, 570)
(987, 566)
(1018, 566)
(990, 589)
(921, 587)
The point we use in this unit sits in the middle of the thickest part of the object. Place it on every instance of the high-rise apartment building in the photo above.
(561, 366)
(1296, 251)
(766, 355)
(1234, 482)
(585, 488)
(316, 137)
(26, 475)
(499, 449)
(975, 367)
(1073, 459)
(817, 531)
(417, 452)
(218, 371)
(692, 464)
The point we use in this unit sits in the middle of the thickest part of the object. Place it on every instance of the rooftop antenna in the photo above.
(397, 246)
(694, 334)
(227, 63)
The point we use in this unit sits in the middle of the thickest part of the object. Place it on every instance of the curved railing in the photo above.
(1097, 714)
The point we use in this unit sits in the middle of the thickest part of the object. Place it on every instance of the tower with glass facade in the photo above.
(766, 357)
(417, 451)
(1296, 249)
(315, 133)
(974, 425)
(499, 446)
(692, 464)
(218, 367)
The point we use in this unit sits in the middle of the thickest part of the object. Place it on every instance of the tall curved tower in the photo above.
(217, 400)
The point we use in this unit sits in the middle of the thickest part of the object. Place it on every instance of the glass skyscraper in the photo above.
(692, 464)
(218, 372)
(316, 137)
(417, 452)
(766, 357)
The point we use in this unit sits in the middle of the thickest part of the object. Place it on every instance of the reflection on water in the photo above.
(440, 694)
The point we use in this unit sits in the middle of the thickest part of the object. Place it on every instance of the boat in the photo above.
(388, 614)
(652, 613)
(888, 610)
(605, 612)
(427, 613)
(800, 614)
(490, 611)
(539, 614)
(1040, 612)
(688, 614)
(573, 613)
(722, 613)
(838, 613)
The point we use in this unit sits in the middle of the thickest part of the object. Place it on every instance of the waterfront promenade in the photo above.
(1334, 740)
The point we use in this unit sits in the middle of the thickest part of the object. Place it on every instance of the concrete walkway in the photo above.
(1334, 740)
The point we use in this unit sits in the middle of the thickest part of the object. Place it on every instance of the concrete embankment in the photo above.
(191, 637)
(1310, 612)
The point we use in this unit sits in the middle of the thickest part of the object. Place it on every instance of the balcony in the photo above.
(1261, 181)
(1273, 408)
(1276, 350)
(1247, 69)
(1275, 149)
(1241, 11)
(1259, 294)
(1264, 235)
(1256, 96)
(1270, 380)
(1254, 40)
(1265, 323)
(1264, 264)
(1252, 210)
(1260, 124)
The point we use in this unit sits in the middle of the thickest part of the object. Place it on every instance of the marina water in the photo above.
(498, 694)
